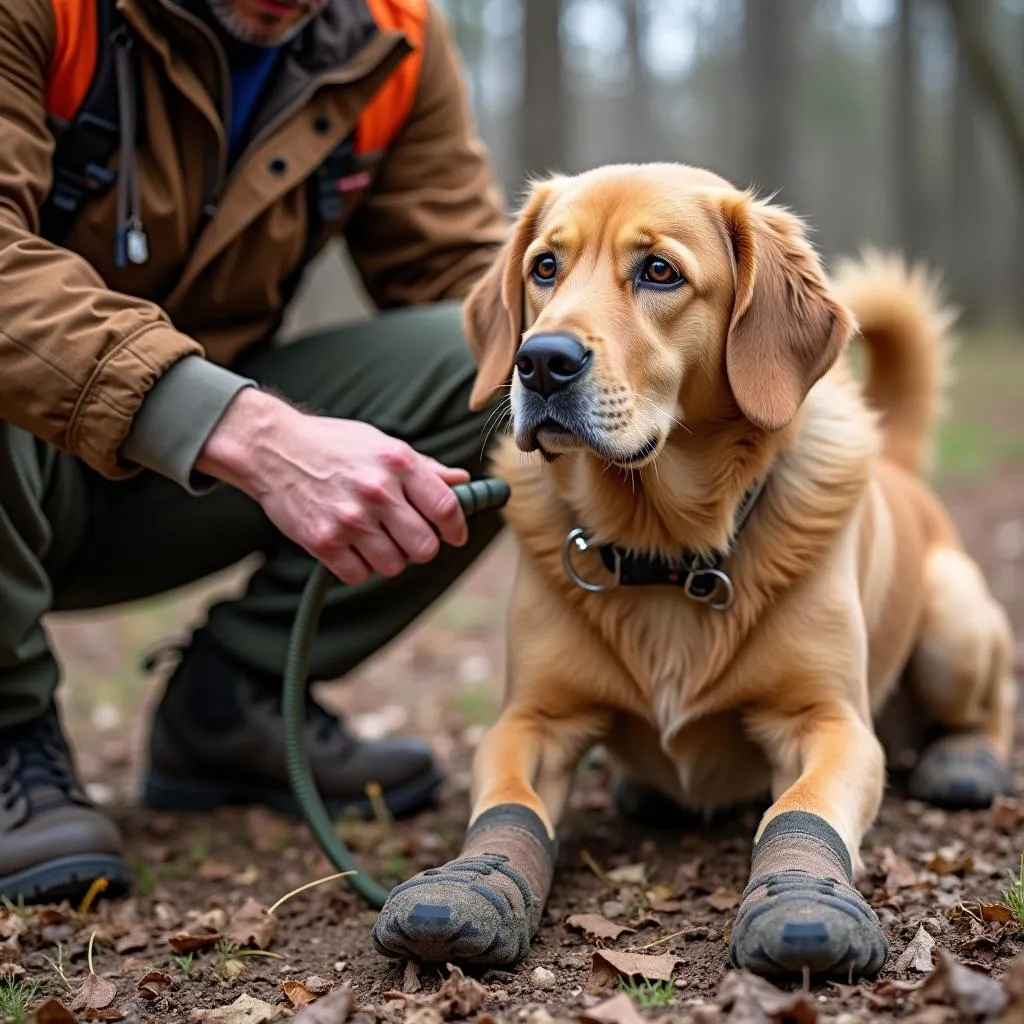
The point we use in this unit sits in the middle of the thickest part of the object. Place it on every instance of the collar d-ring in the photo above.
(576, 543)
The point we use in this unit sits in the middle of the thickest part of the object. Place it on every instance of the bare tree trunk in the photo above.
(543, 114)
(905, 148)
(771, 55)
(968, 226)
(638, 112)
(991, 78)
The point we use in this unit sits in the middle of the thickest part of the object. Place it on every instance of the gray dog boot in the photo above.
(799, 912)
(960, 771)
(484, 907)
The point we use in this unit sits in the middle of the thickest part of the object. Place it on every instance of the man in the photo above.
(151, 433)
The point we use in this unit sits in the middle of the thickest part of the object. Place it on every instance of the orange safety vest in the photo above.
(81, 24)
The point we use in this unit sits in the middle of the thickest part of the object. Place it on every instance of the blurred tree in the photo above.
(640, 135)
(906, 194)
(543, 116)
(770, 66)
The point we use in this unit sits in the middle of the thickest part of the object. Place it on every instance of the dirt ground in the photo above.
(935, 878)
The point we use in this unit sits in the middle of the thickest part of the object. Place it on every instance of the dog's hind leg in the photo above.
(962, 673)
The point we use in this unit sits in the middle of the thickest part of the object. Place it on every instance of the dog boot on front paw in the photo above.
(960, 772)
(800, 913)
(482, 908)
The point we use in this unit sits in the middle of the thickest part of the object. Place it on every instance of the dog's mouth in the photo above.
(553, 438)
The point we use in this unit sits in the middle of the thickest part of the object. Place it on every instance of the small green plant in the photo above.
(225, 950)
(1013, 896)
(184, 963)
(15, 999)
(648, 993)
(16, 908)
(57, 966)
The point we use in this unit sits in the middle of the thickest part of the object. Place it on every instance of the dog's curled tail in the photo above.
(906, 328)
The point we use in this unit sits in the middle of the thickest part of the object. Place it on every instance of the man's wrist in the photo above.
(231, 452)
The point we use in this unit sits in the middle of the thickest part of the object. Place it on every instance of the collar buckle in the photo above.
(576, 542)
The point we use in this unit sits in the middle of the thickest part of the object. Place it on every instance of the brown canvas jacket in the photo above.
(92, 356)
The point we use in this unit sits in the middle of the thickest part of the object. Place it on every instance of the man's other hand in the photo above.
(355, 498)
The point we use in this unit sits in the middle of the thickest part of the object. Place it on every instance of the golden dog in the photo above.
(728, 558)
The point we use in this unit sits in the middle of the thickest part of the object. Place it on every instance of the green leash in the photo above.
(476, 496)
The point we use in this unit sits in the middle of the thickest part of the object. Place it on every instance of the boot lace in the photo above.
(35, 765)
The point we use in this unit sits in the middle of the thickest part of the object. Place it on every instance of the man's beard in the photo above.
(246, 30)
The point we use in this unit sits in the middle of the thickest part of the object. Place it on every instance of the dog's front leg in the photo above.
(800, 911)
(484, 907)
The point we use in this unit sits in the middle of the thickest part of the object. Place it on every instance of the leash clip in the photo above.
(576, 542)
(722, 582)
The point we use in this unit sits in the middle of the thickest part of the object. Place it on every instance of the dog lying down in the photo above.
(727, 558)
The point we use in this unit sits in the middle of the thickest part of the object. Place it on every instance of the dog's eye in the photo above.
(544, 268)
(658, 271)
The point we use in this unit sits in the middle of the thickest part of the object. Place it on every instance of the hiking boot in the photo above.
(54, 843)
(217, 738)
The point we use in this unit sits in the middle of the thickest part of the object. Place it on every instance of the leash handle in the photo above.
(481, 495)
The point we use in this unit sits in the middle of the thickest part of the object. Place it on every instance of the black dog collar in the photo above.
(701, 578)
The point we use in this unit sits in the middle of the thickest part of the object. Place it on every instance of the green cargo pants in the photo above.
(71, 540)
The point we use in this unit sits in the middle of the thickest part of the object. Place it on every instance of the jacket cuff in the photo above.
(178, 415)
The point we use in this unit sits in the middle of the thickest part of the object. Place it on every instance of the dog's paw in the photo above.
(960, 772)
(792, 923)
(475, 910)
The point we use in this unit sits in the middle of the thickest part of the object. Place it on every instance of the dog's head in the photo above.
(631, 299)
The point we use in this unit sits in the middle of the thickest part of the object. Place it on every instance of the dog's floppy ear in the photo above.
(492, 315)
(786, 329)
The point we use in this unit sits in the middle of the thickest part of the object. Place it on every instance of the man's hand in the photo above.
(353, 497)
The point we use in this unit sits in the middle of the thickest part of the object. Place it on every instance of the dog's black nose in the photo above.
(550, 362)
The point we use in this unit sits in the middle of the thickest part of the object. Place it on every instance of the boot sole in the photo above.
(67, 878)
(167, 793)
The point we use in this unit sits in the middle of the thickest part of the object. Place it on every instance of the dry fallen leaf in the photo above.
(753, 1000)
(252, 925)
(918, 954)
(182, 942)
(134, 940)
(724, 899)
(629, 874)
(595, 927)
(215, 870)
(619, 1009)
(1007, 814)
(686, 875)
(999, 912)
(899, 872)
(974, 994)
(270, 832)
(297, 994)
(52, 1011)
(10, 951)
(95, 994)
(333, 1009)
(246, 1009)
(153, 985)
(458, 995)
(951, 860)
(105, 1015)
(609, 965)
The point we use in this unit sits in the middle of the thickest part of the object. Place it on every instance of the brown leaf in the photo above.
(1007, 814)
(182, 942)
(458, 996)
(11, 970)
(724, 899)
(297, 994)
(108, 1014)
(995, 912)
(932, 1015)
(333, 1009)
(951, 860)
(753, 1000)
(666, 906)
(95, 994)
(215, 870)
(899, 872)
(619, 1009)
(888, 992)
(595, 927)
(51, 1011)
(246, 1009)
(609, 965)
(10, 952)
(270, 832)
(974, 994)
(153, 985)
(135, 939)
(918, 954)
(252, 925)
